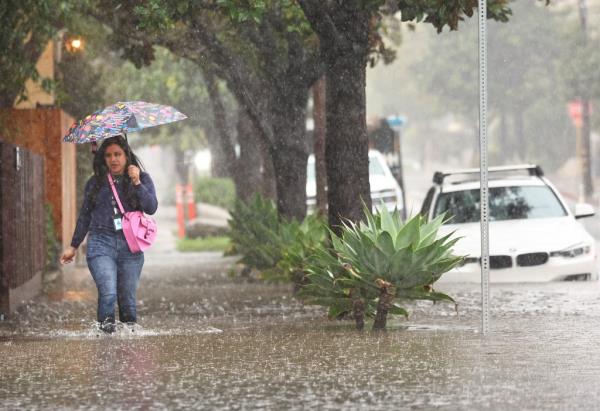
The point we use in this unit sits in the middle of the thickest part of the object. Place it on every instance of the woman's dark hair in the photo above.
(100, 170)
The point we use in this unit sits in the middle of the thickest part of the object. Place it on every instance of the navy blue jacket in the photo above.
(100, 217)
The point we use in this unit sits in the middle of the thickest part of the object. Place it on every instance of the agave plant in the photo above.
(377, 263)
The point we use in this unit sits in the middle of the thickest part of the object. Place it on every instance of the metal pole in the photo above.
(483, 168)
(585, 153)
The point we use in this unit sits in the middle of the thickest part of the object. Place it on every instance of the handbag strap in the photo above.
(114, 190)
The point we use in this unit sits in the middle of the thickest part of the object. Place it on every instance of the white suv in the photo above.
(533, 234)
(385, 190)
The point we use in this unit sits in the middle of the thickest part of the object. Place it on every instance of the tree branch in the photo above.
(317, 13)
(235, 71)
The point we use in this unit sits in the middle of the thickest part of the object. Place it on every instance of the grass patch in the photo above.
(217, 243)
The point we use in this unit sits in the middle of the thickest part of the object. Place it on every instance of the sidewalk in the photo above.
(164, 250)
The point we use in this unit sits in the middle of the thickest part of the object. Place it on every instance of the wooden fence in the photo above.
(22, 223)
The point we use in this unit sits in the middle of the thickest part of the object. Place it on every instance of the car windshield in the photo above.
(506, 203)
(375, 168)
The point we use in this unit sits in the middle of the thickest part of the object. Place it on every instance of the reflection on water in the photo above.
(208, 341)
(523, 366)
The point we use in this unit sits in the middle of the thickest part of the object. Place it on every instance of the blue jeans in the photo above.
(116, 271)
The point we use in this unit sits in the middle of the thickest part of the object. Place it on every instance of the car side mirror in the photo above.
(583, 210)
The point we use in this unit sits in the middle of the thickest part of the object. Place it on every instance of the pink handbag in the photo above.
(139, 229)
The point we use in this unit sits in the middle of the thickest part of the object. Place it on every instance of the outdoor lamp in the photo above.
(74, 44)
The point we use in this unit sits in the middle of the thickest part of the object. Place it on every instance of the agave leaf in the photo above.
(416, 278)
(409, 233)
(429, 230)
(400, 262)
(421, 293)
(397, 310)
(387, 223)
(385, 243)
(370, 217)
(337, 310)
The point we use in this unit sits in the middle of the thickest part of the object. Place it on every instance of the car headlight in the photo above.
(572, 252)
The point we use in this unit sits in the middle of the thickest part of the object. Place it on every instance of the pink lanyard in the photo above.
(114, 190)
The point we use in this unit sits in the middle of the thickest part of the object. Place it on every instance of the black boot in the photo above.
(127, 319)
(108, 325)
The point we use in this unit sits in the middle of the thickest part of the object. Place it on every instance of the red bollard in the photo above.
(192, 213)
(179, 207)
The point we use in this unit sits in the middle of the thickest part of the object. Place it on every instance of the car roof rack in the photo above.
(533, 170)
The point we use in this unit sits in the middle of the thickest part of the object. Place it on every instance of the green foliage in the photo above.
(578, 70)
(276, 248)
(217, 243)
(80, 90)
(524, 58)
(256, 234)
(27, 26)
(450, 14)
(165, 81)
(215, 191)
(309, 236)
(241, 11)
(52, 244)
(382, 250)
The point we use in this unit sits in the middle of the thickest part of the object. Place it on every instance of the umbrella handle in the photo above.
(94, 147)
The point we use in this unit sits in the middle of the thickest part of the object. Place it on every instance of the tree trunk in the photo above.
(358, 313)
(290, 151)
(344, 29)
(248, 179)
(268, 187)
(219, 166)
(181, 167)
(386, 299)
(222, 148)
(346, 144)
(320, 129)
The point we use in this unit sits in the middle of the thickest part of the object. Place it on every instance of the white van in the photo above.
(385, 190)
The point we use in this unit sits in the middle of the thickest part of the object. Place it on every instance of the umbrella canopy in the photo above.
(121, 118)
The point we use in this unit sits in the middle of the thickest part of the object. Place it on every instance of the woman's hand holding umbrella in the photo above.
(134, 174)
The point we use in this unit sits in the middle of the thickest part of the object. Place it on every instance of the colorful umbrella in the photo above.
(121, 118)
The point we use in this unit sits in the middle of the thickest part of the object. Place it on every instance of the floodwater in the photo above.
(209, 341)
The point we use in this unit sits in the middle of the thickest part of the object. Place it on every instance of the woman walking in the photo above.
(115, 269)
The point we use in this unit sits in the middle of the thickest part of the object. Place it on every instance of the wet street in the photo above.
(207, 340)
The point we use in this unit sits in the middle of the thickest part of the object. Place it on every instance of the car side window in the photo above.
(427, 202)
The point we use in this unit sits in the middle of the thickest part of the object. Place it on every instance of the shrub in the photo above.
(215, 191)
(277, 248)
(309, 236)
(375, 264)
(256, 233)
